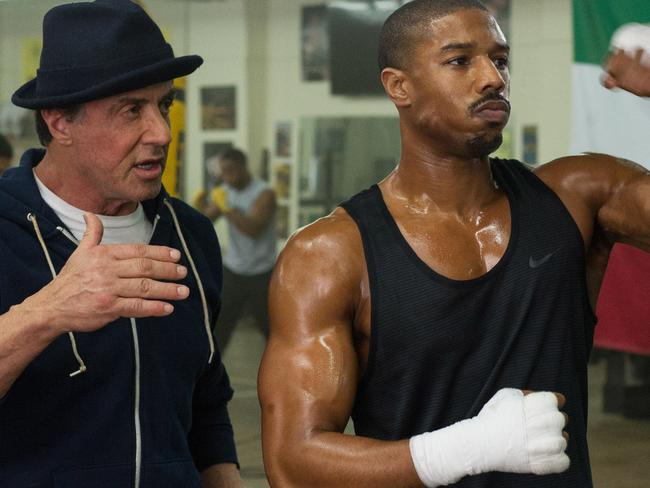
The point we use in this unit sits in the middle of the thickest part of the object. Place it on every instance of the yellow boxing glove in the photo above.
(220, 198)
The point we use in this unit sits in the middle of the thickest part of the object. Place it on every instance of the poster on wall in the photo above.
(314, 42)
(211, 170)
(282, 221)
(218, 109)
(31, 54)
(173, 176)
(529, 139)
(282, 180)
(283, 139)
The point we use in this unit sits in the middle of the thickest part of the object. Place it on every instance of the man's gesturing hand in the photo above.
(100, 283)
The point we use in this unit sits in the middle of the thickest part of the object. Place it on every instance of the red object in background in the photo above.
(623, 307)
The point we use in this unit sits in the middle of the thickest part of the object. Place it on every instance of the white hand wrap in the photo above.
(630, 38)
(512, 433)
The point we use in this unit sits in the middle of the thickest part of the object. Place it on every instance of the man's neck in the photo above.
(431, 182)
(53, 173)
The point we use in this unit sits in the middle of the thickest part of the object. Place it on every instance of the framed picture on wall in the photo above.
(211, 171)
(529, 143)
(283, 139)
(218, 107)
(282, 221)
(314, 43)
(282, 179)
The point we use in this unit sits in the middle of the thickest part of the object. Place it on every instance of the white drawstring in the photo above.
(82, 366)
(206, 319)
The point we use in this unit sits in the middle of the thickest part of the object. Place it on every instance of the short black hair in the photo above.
(6, 151)
(43, 131)
(405, 26)
(235, 155)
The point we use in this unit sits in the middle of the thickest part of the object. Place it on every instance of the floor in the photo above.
(620, 447)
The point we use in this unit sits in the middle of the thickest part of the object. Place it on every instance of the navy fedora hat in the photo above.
(93, 50)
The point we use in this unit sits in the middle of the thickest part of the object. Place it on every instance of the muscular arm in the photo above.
(609, 199)
(604, 194)
(259, 217)
(308, 377)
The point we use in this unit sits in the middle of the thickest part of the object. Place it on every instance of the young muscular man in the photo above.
(423, 306)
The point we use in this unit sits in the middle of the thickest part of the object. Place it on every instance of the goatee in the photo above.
(481, 146)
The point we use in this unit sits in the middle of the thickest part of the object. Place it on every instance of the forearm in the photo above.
(513, 433)
(248, 225)
(332, 459)
(24, 333)
(212, 212)
(224, 475)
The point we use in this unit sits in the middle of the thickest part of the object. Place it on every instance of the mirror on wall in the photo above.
(340, 156)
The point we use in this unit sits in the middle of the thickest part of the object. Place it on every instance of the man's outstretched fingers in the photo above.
(149, 289)
(138, 307)
(134, 251)
(150, 268)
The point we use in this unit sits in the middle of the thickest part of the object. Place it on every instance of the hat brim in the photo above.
(155, 73)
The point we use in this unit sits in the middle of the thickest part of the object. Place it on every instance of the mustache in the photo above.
(489, 97)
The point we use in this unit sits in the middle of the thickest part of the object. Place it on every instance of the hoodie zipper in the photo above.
(136, 379)
(136, 412)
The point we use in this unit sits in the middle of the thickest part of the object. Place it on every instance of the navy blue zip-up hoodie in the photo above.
(150, 409)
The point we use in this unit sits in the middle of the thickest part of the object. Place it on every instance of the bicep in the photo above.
(308, 375)
(625, 215)
(600, 190)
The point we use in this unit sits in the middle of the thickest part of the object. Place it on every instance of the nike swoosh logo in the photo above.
(536, 263)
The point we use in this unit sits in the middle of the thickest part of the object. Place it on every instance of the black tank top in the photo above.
(440, 348)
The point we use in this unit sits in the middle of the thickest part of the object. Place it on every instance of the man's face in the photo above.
(4, 164)
(233, 174)
(119, 148)
(459, 83)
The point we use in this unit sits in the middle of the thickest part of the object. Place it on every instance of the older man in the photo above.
(109, 287)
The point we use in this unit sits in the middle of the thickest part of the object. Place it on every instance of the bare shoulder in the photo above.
(593, 168)
(330, 241)
(319, 273)
(592, 175)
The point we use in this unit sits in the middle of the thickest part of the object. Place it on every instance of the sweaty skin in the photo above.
(450, 211)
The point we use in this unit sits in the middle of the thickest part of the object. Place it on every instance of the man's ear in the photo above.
(59, 125)
(396, 85)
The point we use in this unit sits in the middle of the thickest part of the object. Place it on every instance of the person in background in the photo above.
(6, 154)
(109, 287)
(248, 204)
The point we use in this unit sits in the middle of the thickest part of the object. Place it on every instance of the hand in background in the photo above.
(219, 198)
(628, 73)
(628, 65)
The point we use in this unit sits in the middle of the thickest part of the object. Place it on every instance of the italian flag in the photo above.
(612, 122)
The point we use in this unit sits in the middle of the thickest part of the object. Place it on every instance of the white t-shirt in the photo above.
(123, 229)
